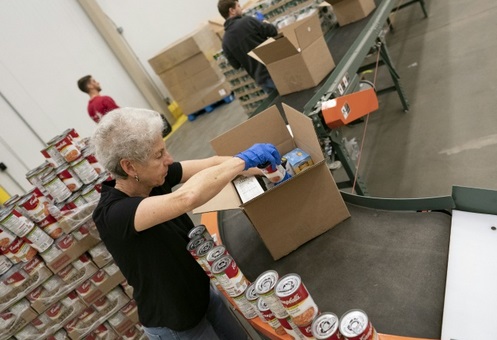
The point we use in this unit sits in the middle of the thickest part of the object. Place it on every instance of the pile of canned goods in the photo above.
(284, 303)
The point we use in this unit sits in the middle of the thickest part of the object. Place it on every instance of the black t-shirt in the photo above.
(169, 286)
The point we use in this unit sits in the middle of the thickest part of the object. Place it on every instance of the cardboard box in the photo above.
(298, 59)
(297, 210)
(203, 98)
(217, 26)
(348, 11)
(193, 86)
(15, 318)
(203, 40)
(102, 282)
(190, 68)
(125, 318)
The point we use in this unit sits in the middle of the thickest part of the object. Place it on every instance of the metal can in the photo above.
(50, 226)
(21, 250)
(14, 221)
(73, 202)
(84, 170)
(6, 237)
(270, 318)
(199, 230)
(39, 239)
(276, 175)
(12, 201)
(201, 252)
(296, 299)
(291, 328)
(193, 244)
(90, 193)
(33, 207)
(68, 150)
(5, 264)
(52, 155)
(355, 325)
(229, 276)
(245, 307)
(264, 287)
(215, 253)
(55, 187)
(325, 327)
(88, 154)
(69, 177)
(306, 331)
(252, 298)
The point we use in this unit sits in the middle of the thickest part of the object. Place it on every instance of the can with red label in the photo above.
(51, 227)
(84, 170)
(73, 202)
(12, 201)
(216, 253)
(65, 242)
(68, 150)
(69, 177)
(5, 264)
(88, 154)
(270, 318)
(291, 328)
(55, 187)
(33, 207)
(296, 299)
(193, 244)
(264, 287)
(199, 230)
(229, 276)
(12, 219)
(325, 327)
(21, 251)
(355, 325)
(245, 307)
(252, 298)
(306, 331)
(52, 155)
(6, 237)
(39, 239)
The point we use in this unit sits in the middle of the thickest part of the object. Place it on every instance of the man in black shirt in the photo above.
(242, 34)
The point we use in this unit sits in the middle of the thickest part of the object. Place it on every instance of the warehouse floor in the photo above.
(447, 138)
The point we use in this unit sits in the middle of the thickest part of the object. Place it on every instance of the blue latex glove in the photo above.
(259, 154)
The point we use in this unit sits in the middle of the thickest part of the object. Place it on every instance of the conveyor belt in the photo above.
(390, 264)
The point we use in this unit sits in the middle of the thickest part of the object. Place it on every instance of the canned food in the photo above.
(291, 328)
(252, 298)
(215, 253)
(52, 155)
(306, 331)
(276, 175)
(355, 325)
(12, 201)
(84, 170)
(69, 177)
(73, 202)
(6, 237)
(21, 250)
(51, 227)
(199, 230)
(67, 149)
(296, 299)
(14, 221)
(90, 193)
(33, 207)
(325, 327)
(201, 252)
(39, 239)
(51, 254)
(264, 287)
(270, 317)
(5, 264)
(229, 276)
(90, 157)
(55, 187)
(245, 307)
(193, 244)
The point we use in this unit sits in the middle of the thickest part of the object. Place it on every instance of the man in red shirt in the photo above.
(98, 105)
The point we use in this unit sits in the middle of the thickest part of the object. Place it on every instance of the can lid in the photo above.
(54, 140)
(204, 248)
(195, 242)
(215, 253)
(13, 200)
(353, 322)
(324, 326)
(221, 264)
(197, 230)
(250, 293)
(287, 285)
(261, 305)
(266, 281)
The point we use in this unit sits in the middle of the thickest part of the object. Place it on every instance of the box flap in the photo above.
(227, 199)
(271, 51)
(266, 127)
(304, 134)
(308, 31)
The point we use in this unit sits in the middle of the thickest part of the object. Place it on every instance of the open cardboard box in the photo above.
(298, 58)
(296, 210)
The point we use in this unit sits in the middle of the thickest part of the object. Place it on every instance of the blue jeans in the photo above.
(218, 323)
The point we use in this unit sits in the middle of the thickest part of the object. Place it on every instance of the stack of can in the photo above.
(70, 175)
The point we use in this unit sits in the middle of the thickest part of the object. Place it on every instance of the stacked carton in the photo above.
(188, 70)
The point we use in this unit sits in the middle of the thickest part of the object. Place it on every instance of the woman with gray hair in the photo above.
(144, 224)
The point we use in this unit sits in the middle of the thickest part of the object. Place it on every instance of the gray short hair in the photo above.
(126, 133)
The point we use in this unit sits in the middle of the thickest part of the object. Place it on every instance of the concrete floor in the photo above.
(447, 138)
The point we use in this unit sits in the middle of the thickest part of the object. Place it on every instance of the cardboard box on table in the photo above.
(348, 11)
(299, 58)
(296, 210)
